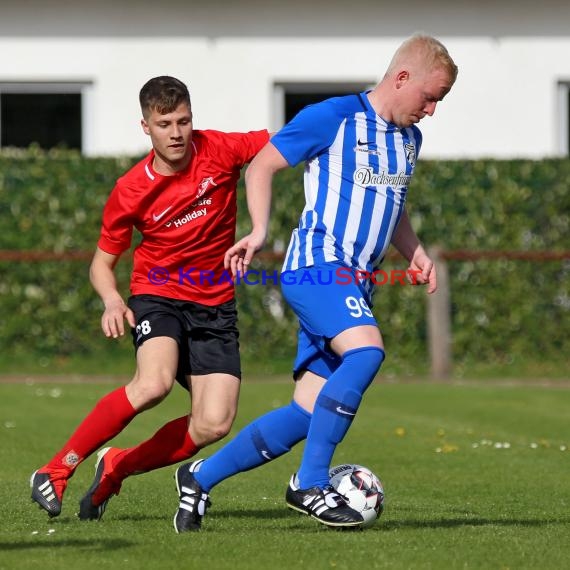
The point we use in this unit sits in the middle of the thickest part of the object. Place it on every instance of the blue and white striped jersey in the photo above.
(357, 172)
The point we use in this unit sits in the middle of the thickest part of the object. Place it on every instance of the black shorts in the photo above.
(207, 336)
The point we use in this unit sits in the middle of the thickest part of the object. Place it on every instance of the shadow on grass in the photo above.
(461, 522)
(87, 544)
(279, 514)
(401, 524)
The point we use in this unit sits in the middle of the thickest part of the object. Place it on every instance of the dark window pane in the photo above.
(294, 102)
(47, 119)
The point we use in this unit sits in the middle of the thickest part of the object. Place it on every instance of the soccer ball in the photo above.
(361, 488)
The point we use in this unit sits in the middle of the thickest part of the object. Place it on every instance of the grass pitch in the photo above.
(476, 476)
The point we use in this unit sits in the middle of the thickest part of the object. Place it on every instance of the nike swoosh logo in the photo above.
(364, 143)
(156, 217)
(344, 412)
(266, 455)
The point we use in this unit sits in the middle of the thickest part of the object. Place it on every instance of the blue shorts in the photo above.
(325, 307)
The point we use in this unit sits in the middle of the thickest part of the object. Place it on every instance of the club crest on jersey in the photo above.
(410, 151)
(204, 185)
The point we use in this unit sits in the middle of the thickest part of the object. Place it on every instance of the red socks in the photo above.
(170, 444)
(107, 419)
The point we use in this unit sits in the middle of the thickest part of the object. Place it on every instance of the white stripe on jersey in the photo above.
(148, 172)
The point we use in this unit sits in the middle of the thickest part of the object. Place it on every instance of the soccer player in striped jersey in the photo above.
(182, 199)
(360, 152)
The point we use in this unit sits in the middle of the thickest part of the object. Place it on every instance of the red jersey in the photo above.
(187, 220)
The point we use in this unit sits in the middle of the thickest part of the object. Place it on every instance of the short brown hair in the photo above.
(163, 94)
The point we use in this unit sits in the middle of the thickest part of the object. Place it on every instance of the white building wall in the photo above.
(505, 102)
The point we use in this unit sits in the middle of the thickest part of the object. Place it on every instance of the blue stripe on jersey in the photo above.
(381, 245)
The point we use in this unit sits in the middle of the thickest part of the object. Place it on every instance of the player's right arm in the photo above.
(310, 132)
(102, 276)
(258, 179)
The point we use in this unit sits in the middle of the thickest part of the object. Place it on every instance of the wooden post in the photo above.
(439, 319)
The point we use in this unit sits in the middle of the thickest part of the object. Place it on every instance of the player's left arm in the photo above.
(421, 269)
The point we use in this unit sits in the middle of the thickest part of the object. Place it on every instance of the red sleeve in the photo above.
(117, 227)
(246, 145)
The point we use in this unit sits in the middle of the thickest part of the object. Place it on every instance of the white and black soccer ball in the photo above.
(361, 488)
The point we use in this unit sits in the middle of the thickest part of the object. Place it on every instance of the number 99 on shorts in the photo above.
(357, 307)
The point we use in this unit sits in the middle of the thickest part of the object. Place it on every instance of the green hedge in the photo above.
(502, 310)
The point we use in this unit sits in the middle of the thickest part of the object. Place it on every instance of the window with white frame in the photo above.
(563, 118)
(47, 114)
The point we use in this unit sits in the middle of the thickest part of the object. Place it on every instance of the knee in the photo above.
(145, 393)
(205, 431)
(368, 357)
(376, 356)
(365, 362)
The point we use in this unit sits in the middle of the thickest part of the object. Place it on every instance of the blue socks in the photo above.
(264, 439)
(334, 411)
(275, 433)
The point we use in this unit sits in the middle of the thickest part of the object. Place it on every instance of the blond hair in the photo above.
(426, 52)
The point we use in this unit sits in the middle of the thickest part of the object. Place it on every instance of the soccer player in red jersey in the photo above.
(182, 200)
